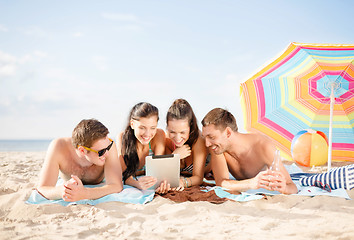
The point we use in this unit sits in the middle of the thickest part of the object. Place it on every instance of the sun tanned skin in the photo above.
(78, 167)
(178, 132)
(146, 132)
(246, 157)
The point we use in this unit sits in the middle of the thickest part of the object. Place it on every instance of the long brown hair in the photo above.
(181, 109)
(129, 140)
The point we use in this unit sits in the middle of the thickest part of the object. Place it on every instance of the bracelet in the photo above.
(186, 184)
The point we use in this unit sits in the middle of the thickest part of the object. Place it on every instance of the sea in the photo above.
(24, 145)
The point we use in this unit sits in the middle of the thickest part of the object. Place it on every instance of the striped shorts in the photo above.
(340, 177)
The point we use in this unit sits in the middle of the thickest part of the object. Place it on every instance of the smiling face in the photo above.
(144, 129)
(215, 139)
(178, 131)
(98, 145)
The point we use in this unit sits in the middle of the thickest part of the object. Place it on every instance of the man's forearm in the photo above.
(235, 185)
(98, 192)
(291, 188)
(132, 182)
(51, 193)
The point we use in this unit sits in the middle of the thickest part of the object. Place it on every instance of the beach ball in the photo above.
(310, 148)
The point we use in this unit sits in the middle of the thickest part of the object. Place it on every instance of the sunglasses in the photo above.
(322, 186)
(102, 151)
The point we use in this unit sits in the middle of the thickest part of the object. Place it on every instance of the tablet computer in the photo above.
(164, 167)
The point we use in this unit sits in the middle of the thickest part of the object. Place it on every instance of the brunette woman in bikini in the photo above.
(140, 138)
(185, 139)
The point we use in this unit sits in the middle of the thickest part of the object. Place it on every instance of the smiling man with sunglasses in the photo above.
(88, 157)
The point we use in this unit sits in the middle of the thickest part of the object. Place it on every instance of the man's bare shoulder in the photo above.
(58, 157)
(262, 145)
(60, 147)
(258, 138)
(61, 143)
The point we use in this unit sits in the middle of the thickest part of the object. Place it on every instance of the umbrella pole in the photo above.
(330, 128)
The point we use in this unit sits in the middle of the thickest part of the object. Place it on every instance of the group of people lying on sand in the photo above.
(90, 156)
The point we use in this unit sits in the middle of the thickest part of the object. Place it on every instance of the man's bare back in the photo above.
(248, 160)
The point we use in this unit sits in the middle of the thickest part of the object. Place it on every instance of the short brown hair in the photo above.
(87, 132)
(221, 118)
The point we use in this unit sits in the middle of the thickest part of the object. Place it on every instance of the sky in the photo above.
(64, 61)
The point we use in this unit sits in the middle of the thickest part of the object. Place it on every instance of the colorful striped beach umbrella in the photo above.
(310, 86)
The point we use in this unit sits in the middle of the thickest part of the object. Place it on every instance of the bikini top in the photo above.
(189, 168)
(151, 153)
(150, 150)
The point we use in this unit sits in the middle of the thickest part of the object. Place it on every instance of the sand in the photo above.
(277, 217)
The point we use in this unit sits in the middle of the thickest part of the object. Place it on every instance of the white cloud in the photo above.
(100, 62)
(121, 17)
(3, 28)
(7, 70)
(35, 31)
(130, 27)
(40, 54)
(7, 58)
(192, 69)
(32, 57)
(78, 34)
(9, 63)
(127, 22)
(25, 59)
(61, 74)
(4, 101)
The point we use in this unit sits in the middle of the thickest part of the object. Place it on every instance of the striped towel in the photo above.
(340, 177)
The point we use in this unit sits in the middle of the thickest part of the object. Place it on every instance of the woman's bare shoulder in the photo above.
(169, 144)
(200, 141)
(160, 135)
(159, 131)
(199, 145)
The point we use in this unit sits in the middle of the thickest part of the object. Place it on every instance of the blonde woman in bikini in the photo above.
(185, 139)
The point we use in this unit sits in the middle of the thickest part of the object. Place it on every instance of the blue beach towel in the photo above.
(128, 195)
(296, 174)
